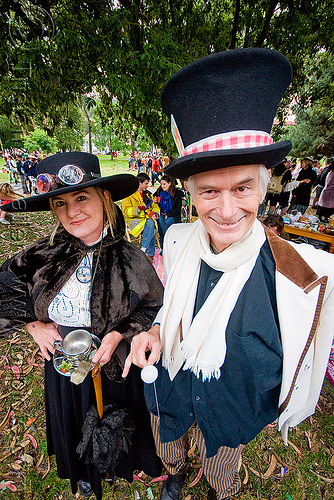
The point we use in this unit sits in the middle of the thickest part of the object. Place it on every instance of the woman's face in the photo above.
(305, 164)
(81, 214)
(165, 185)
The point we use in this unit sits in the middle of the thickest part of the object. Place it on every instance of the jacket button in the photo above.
(197, 398)
(191, 414)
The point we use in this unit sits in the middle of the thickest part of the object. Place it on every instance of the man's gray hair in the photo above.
(264, 179)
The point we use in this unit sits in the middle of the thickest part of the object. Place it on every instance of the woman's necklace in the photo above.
(84, 271)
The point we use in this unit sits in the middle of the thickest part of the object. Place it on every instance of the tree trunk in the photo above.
(110, 149)
(89, 123)
(90, 136)
(265, 30)
(235, 25)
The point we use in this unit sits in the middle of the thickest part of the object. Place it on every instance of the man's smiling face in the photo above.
(227, 201)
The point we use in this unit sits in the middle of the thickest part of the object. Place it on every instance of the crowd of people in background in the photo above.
(299, 186)
(22, 173)
(21, 169)
(295, 186)
(150, 164)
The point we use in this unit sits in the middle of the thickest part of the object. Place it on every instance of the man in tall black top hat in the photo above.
(236, 353)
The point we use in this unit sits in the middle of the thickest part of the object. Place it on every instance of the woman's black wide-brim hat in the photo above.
(67, 172)
(222, 108)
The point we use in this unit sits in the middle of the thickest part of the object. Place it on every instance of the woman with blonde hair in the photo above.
(7, 194)
(85, 276)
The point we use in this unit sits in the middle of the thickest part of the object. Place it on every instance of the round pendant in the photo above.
(83, 274)
(149, 374)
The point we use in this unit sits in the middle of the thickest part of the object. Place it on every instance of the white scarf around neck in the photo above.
(203, 346)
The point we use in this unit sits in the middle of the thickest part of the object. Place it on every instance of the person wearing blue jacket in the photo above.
(169, 198)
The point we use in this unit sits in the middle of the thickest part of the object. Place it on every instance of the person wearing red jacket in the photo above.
(156, 167)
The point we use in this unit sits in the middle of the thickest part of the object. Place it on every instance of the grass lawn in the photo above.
(270, 470)
(117, 166)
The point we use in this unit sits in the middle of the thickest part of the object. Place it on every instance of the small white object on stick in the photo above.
(149, 374)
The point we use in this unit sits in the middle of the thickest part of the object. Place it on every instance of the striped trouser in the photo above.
(221, 470)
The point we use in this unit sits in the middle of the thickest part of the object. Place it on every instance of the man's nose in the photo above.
(226, 206)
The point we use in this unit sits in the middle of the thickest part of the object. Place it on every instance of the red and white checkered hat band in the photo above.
(239, 139)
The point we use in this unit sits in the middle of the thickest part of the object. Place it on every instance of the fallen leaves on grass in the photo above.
(21, 372)
(8, 484)
(326, 479)
(197, 478)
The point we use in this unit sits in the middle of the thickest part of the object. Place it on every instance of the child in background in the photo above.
(7, 194)
(276, 224)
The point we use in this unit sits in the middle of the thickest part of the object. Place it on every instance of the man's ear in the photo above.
(186, 186)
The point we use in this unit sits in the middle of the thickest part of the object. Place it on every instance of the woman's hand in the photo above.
(107, 347)
(145, 341)
(44, 334)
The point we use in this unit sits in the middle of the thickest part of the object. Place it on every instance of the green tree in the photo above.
(313, 133)
(88, 104)
(38, 140)
(114, 132)
(70, 130)
(128, 49)
(10, 133)
(144, 144)
(103, 130)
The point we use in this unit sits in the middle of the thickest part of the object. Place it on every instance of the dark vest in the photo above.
(235, 408)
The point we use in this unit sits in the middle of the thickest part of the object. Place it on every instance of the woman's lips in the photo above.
(78, 222)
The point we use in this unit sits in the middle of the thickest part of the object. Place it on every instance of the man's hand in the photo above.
(44, 334)
(107, 347)
(145, 341)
